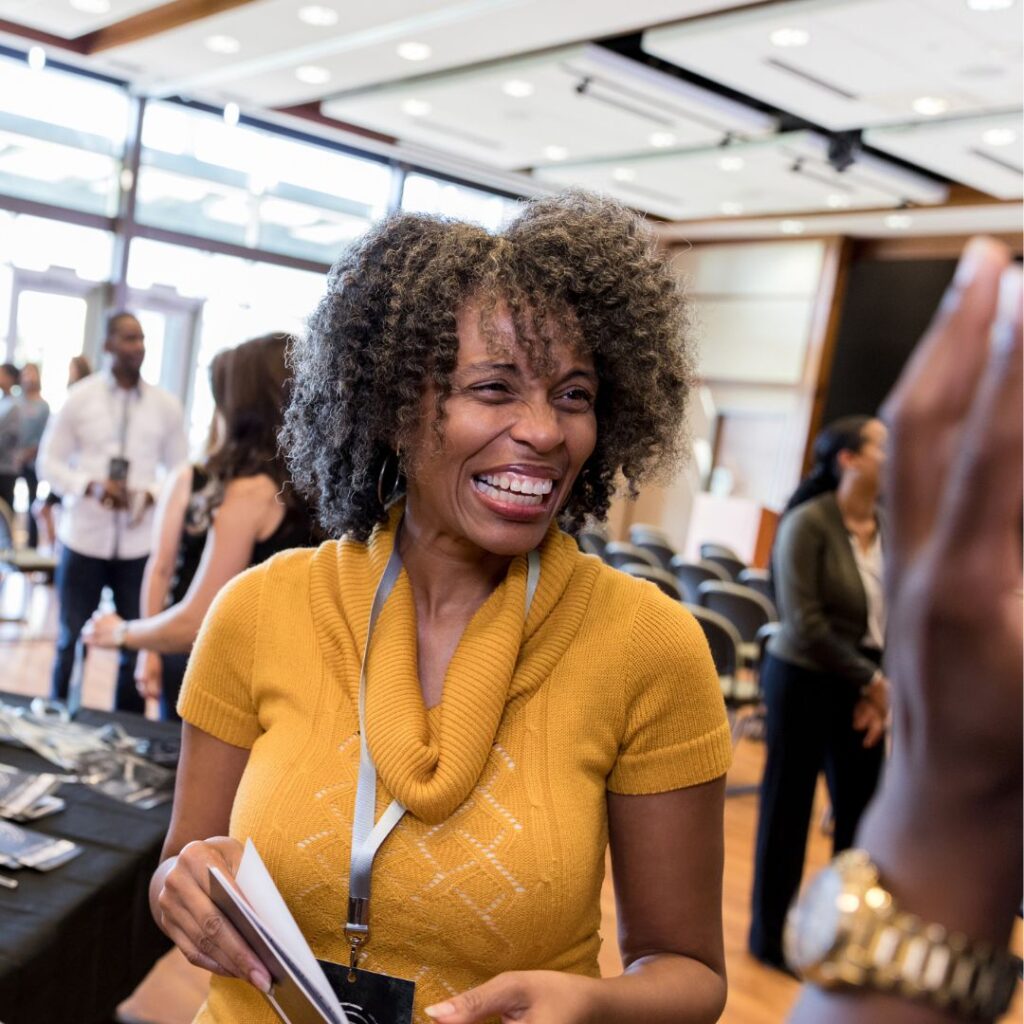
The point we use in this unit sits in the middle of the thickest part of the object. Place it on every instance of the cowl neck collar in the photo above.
(430, 760)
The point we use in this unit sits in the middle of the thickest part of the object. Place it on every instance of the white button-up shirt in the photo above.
(99, 421)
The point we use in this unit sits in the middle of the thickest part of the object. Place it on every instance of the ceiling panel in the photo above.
(787, 174)
(71, 18)
(983, 152)
(846, 64)
(573, 104)
(360, 48)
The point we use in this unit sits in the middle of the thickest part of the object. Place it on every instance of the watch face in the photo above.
(813, 923)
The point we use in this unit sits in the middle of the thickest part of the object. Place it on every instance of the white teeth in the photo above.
(515, 484)
(507, 497)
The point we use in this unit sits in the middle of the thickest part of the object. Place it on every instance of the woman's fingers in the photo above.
(503, 995)
(984, 498)
(935, 390)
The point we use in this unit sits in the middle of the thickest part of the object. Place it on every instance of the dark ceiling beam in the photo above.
(33, 35)
(311, 112)
(152, 22)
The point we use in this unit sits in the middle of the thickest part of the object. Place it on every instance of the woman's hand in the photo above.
(149, 675)
(533, 997)
(869, 719)
(191, 919)
(100, 630)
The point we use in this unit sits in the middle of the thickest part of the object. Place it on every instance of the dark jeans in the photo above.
(28, 474)
(174, 666)
(80, 583)
(808, 728)
(7, 482)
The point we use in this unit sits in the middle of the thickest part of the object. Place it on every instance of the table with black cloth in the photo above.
(76, 941)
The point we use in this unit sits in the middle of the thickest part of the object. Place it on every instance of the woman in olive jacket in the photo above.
(826, 697)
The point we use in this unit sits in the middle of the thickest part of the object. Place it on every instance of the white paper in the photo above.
(256, 885)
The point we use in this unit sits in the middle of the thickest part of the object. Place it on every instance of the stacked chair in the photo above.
(20, 561)
(654, 541)
(690, 575)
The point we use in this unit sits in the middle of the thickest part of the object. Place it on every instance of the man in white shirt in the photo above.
(106, 452)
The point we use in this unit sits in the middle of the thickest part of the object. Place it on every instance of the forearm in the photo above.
(171, 632)
(949, 855)
(156, 582)
(663, 988)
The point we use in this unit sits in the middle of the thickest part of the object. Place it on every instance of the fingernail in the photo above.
(1008, 311)
(970, 261)
(260, 980)
(440, 1010)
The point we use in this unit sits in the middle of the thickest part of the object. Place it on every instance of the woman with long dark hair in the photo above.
(826, 696)
(215, 519)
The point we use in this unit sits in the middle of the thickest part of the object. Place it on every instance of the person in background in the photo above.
(944, 834)
(213, 520)
(35, 411)
(823, 688)
(10, 434)
(42, 511)
(105, 451)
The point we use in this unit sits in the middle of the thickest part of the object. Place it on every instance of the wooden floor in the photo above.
(174, 989)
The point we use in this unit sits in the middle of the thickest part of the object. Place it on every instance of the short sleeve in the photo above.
(675, 732)
(216, 695)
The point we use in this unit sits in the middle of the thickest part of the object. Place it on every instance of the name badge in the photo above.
(371, 998)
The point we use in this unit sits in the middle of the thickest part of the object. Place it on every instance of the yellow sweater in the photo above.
(499, 864)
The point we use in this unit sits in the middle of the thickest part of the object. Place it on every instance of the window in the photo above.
(423, 194)
(61, 137)
(253, 187)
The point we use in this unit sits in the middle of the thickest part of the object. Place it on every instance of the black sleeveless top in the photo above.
(296, 530)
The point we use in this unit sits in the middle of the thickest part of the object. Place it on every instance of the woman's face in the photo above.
(869, 462)
(29, 379)
(514, 441)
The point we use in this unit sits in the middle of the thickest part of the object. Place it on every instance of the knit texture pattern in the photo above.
(607, 686)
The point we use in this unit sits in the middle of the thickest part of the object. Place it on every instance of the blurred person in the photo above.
(824, 690)
(913, 926)
(35, 411)
(214, 519)
(10, 433)
(42, 511)
(104, 451)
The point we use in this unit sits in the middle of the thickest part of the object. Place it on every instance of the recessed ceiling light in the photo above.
(790, 37)
(413, 51)
(731, 209)
(791, 227)
(91, 6)
(556, 152)
(416, 108)
(36, 58)
(624, 174)
(312, 74)
(837, 201)
(518, 88)
(222, 44)
(930, 106)
(999, 137)
(899, 221)
(231, 114)
(315, 14)
(989, 5)
(661, 140)
(731, 163)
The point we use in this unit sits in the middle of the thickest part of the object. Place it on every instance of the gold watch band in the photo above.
(926, 962)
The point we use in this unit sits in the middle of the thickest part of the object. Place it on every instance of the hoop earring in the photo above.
(385, 499)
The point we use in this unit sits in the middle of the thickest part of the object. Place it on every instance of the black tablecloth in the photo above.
(77, 941)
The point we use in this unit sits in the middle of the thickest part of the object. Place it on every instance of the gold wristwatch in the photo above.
(845, 932)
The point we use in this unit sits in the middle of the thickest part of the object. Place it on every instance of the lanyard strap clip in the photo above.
(357, 931)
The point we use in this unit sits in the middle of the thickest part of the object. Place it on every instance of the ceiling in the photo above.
(703, 112)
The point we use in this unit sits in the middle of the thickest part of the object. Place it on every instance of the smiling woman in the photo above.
(521, 704)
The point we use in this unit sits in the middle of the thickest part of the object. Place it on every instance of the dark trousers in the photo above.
(28, 474)
(808, 729)
(7, 482)
(174, 666)
(80, 583)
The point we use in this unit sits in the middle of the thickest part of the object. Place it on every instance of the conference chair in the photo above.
(619, 553)
(759, 580)
(746, 609)
(654, 540)
(690, 575)
(592, 543)
(732, 566)
(709, 548)
(664, 581)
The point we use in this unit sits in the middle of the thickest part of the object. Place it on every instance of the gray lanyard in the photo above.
(368, 837)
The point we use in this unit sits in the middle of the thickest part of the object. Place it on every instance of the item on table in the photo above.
(23, 848)
(27, 796)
